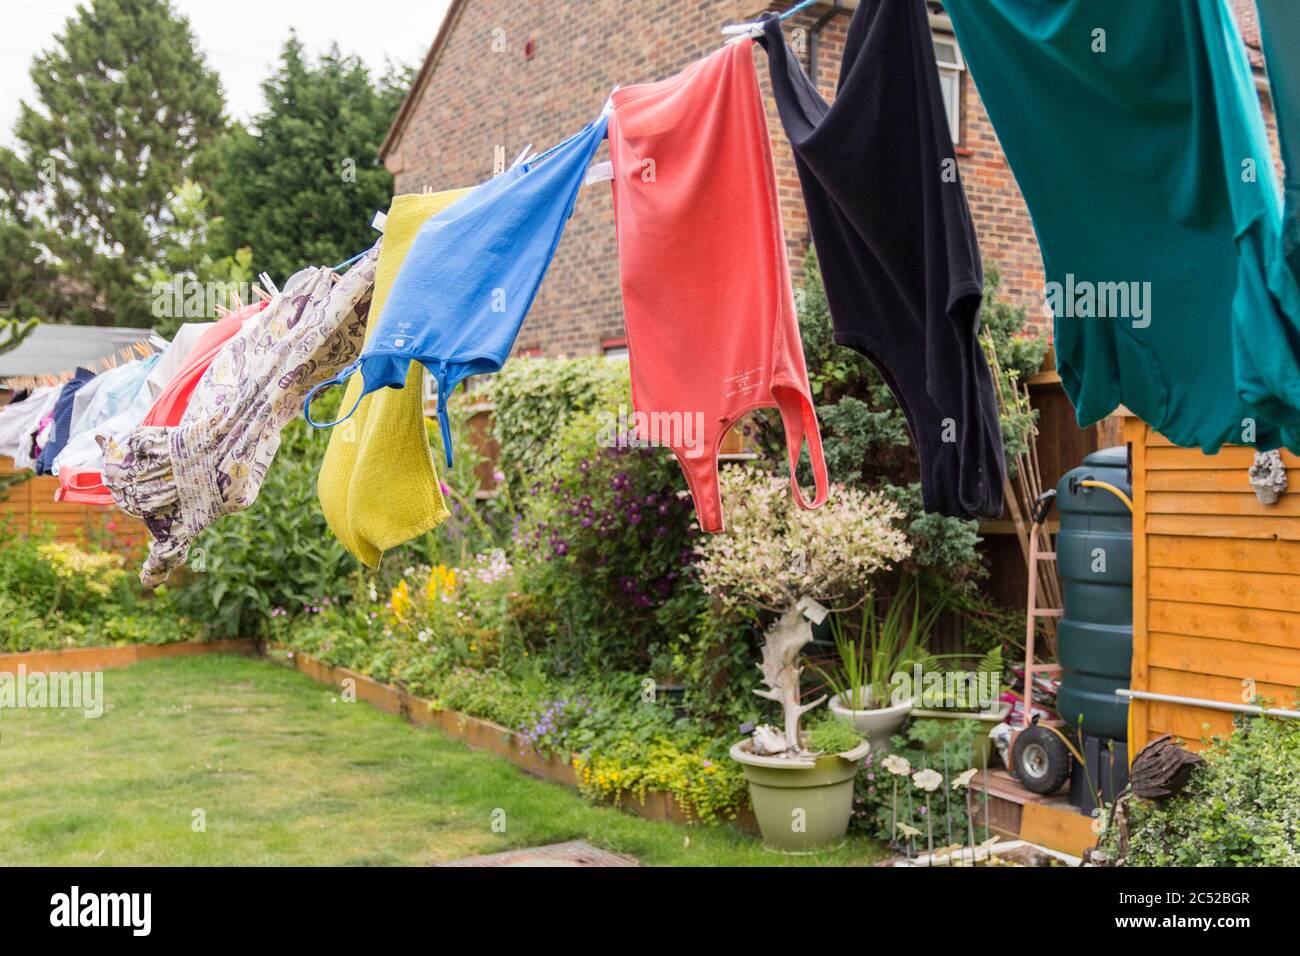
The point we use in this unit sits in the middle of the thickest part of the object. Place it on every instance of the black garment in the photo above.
(897, 248)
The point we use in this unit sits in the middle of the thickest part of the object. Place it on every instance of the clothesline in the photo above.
(706, 288)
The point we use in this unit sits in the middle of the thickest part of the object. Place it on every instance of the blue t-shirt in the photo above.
(471, 276)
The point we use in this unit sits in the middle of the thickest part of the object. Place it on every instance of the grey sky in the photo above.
(240, 38)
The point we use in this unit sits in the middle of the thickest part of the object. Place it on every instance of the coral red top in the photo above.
(170, 405)
(711, 326)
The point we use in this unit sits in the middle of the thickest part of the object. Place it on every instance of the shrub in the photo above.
(1241, 808)
(603, 545)
(279, 553)
(775, 552)
(57, 594)
(534, 399)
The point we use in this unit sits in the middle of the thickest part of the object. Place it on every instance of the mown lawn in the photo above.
(287, 774)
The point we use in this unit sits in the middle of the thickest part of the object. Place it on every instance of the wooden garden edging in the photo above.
(479, 734)
(107, 658)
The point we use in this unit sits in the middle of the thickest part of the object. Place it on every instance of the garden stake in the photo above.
(893, 824)
(970, 826)
(986, 800)
(910, 818)
(947, 800)
(929, 827)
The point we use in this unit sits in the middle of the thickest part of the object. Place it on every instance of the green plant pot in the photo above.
(802, 807)
(982, 746)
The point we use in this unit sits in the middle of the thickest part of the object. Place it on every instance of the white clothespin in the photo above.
(599, 173)
(523, 154)
(267, 283)
(753, 29)
(608, 108)
(735, 32)
(380, 222)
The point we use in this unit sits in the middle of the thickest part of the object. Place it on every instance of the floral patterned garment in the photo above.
(179, 480)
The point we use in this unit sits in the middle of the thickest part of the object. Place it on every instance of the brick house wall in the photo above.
(504, 74)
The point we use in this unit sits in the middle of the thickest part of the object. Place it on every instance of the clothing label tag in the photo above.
(812, 610)
(600, 173)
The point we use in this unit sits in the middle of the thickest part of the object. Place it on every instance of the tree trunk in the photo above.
(782, 645)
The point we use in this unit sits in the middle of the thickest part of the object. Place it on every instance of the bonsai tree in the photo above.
(783, 559)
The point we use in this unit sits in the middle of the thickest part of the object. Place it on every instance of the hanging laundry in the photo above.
(385, 444)
(19, 422)
(1136, 136)
(89, 396)
(894, 238)
(183, 342)
(171, 402)
(711, 326)
(108, 396)
(80, 464)
(1279, 22)
(471, 276)
(61, 420)
(181, 479)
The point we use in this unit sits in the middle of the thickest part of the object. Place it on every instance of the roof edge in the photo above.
(398, 126)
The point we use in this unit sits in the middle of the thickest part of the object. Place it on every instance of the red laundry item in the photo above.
(170, 405)
(82, 486)
(711, 327)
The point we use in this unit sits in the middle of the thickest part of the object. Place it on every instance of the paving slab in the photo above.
(573, 853)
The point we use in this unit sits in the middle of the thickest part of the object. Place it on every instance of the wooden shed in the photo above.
(1216, 587)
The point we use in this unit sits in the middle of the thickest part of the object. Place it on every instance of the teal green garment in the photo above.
(1279, 22)
(1136, 136)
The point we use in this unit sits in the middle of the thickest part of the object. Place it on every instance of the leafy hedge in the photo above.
(1241, 808)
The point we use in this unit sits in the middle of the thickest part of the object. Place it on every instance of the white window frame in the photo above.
(950, 70)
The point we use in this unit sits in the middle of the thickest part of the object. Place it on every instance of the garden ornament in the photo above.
(1268, 476)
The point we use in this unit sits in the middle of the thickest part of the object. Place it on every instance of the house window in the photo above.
(951, 67)
(615, 349)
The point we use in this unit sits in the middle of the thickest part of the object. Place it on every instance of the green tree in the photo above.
(301, 185)
(124, 103)
(14, 331)
(187, 256)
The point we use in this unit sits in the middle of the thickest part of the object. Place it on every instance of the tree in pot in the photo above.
(789, 562)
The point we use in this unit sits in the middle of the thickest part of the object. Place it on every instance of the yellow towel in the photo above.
(377, 485)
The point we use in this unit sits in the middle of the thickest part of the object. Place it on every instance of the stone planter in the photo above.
(803, 804)
(877, 725)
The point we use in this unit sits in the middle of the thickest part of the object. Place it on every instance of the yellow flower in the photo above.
(442, 579)
(400, 599)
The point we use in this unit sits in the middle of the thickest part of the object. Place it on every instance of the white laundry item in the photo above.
(18, 423)
(115, 410)
(174, 357)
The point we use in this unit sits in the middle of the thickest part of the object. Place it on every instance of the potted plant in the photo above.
(961, 714)
(862, 675)
(786, 561)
